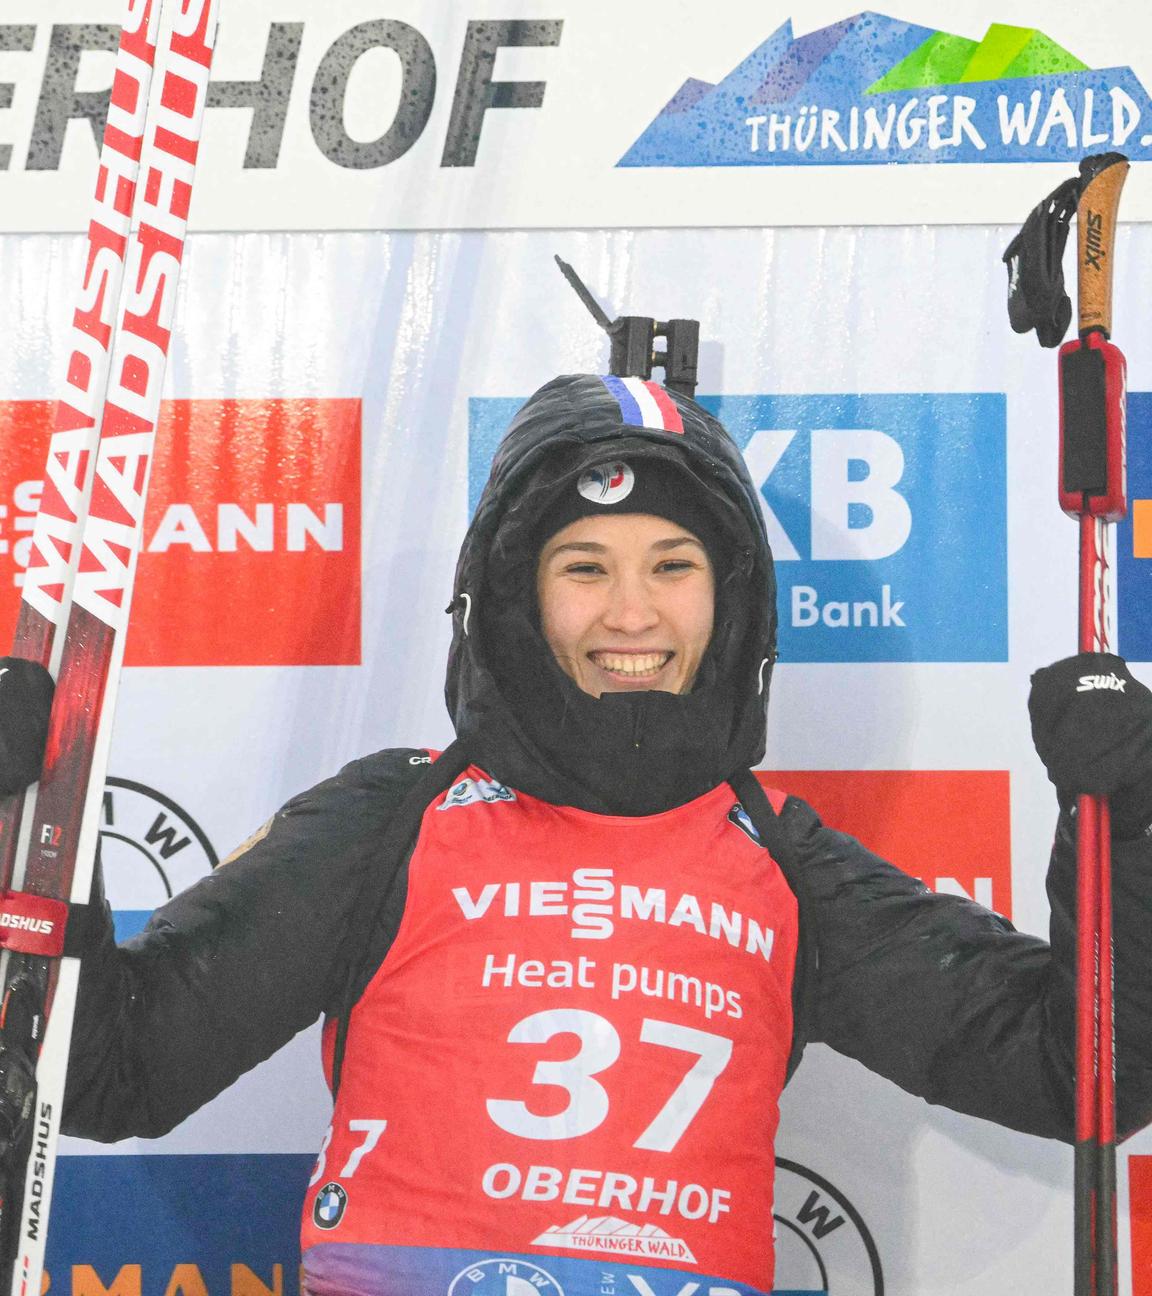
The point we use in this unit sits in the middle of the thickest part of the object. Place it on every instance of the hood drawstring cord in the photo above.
(461, 601)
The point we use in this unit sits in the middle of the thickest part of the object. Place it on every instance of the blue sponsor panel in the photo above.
(229, 1226)
(1134, 538)
(130, 922)
(488, 419)
(887, 515)
(233, 1222)
(337, 1268)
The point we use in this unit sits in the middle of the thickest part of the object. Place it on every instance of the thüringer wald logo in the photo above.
(872, 89)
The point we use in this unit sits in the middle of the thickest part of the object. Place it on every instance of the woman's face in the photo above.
(626, 603)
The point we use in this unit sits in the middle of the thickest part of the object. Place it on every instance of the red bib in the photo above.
(570, 1060)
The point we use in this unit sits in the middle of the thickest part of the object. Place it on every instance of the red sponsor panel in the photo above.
(1140, 1210)
(251, 535)
(949, 827)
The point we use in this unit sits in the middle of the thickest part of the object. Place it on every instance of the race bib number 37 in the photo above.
(569, 1062)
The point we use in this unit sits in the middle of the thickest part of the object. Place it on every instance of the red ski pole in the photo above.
(1092, 489)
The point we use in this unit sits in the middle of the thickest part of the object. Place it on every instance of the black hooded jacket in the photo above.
(934, 992)
(515, 710)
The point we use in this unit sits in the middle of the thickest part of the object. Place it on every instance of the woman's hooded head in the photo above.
(582, 446)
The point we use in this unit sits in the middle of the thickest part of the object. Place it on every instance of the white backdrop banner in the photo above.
(548, 113)
(333, 402)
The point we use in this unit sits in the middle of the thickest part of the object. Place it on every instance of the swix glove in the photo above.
(1092, 726)
(25, 701)
(21, 1023)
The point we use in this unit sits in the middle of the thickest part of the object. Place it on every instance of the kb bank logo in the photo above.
(887, 518)
(886, 515)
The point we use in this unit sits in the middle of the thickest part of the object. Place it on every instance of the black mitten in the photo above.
(21, 1015)
(1092, 726)
(25, 701)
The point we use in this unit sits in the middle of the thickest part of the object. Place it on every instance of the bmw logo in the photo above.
(151, 846)
(329, 1208)
(823, 1244)
(506, 1277)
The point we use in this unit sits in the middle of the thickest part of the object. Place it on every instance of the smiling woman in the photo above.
(626, 602)
(593, 859)
(622, 620)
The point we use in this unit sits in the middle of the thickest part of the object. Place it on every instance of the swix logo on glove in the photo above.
(1092, 726)
(1100, 682)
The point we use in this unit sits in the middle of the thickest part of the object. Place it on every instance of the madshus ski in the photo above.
(78, 584)
(76, 429)
(55, 549)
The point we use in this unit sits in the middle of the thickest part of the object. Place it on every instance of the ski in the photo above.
(54, 548)
(51, 567)
(85, 543)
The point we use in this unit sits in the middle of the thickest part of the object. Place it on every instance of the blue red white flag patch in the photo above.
(645, 404)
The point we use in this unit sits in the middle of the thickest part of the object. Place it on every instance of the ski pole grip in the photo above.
(1101, 177)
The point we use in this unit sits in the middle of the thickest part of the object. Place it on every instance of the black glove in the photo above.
(1092, 726)
(20, 1035)
(25, 700)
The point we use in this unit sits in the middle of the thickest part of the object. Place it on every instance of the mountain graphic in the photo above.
(607, 1226)
(1004, 53)
(861, 91)
(609, 1233)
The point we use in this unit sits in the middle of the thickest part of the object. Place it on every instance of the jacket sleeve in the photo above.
(950, 1002)
(229, 970)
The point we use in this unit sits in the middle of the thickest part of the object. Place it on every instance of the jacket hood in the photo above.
(516, 712)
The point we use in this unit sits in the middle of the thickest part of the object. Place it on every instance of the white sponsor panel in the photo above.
(419, 324)
(425, 115)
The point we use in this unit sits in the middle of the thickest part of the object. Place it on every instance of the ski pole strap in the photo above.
(34, 924)
(1037, 298)
(775, 841)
